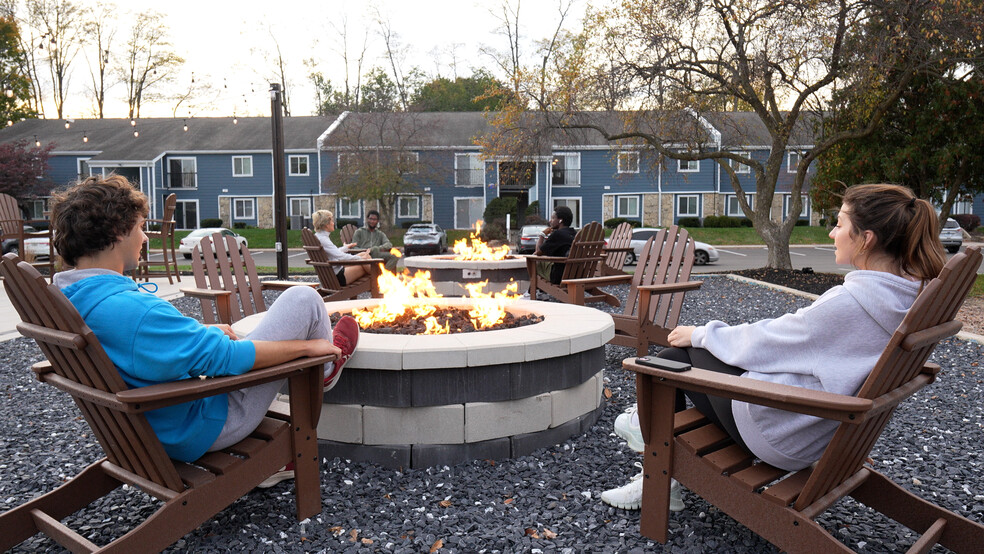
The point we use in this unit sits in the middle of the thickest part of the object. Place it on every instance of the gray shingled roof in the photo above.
(746, 129)
(407, 129)
(113, 140)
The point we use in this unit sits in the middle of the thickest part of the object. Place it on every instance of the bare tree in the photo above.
(396, 55)
(510, 61)
(60, 21)
(100, 30)
(150, 61)
(199, 92)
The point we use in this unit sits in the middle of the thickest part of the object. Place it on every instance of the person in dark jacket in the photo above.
(556, 240)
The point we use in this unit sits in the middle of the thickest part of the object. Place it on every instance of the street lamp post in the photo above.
(279, 180)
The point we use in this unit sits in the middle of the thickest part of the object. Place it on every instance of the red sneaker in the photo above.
(345, 337)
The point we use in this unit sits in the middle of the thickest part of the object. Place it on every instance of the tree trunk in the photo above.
(776, 239)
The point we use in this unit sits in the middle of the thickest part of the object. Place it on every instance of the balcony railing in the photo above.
(565, 177)
(468, 177)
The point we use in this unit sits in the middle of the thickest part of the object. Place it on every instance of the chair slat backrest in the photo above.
(219, 263)
(588, 243)
(667, 257)
(934, 308)
(347, 232)
(316, 253)
(76, 355)
(11, 219)
(621, 237)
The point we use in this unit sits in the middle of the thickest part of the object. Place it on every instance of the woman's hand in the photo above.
(679, 337)
(350, 245)
(365, 255)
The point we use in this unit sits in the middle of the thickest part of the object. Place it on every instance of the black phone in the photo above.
(662, 363)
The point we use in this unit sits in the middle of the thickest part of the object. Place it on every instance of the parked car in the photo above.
(951, 236)
(528, 236)
(424, 238)
(703, 253)
(189, 243)
(36, 247)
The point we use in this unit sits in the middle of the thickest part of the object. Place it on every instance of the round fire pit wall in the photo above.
(450, 275)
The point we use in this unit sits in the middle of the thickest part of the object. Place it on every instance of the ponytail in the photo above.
(906, 227)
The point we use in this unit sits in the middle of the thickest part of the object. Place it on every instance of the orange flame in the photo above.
(478, 250)
(403, 292)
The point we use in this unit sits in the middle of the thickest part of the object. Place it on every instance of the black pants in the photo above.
(715, 408)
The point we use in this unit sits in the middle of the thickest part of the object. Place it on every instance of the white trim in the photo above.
(454, 202)
(750, 197)
(169, 173)
(638, 206)
(198, 212)
(338, 207)
(78, 166)
(235, 208)
(574, 165)
(246, 157)
(307, 165)
(338, 164)
(331, 129)
(787, 202)
(618, 161)
(399, 214)
(416, 162)
(403, 147)
(680, 168)
(469, 156)
(676, 205)
(790, 168)
(580, 207)
(742, 168)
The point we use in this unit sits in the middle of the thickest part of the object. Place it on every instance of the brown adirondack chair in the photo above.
(226, 281)
(165, 233)
(781, 506)
(347, 232)
(617, 251)
(581, 262)
(190, 493)
(658, 286)
(12, 227)
(330, 287)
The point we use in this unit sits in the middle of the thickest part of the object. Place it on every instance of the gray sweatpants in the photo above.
(299, 313)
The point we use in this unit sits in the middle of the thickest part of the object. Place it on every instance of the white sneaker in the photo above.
(627, 427)
(629, 496)
(285, 473)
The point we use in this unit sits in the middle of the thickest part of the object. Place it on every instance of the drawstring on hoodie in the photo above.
(146, 287)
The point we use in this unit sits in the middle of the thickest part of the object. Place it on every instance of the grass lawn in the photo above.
(978, 289)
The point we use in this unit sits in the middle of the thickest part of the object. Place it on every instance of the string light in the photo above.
(85, 137)
(37, 142)
(68, 123)
(133, 123)
(10, 122)
(185, 125)
(136, 133)
(235, 120)
(9, 92)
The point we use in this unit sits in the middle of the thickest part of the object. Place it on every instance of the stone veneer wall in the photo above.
(264, 212)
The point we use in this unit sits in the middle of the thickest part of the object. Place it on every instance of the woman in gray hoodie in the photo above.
(891, 237)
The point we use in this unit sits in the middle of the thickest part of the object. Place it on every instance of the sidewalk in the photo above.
(9, 318)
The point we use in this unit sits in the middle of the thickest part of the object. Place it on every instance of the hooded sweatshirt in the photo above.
(831, 345)
(150, 342)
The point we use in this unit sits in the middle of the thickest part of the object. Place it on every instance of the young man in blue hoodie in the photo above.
(98, 229)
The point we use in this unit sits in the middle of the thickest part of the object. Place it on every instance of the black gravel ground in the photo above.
(547, 502)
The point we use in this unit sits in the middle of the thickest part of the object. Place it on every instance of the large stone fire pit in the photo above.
(427, 400)
(450, 275)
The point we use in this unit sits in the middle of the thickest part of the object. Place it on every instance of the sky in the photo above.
(229, 45)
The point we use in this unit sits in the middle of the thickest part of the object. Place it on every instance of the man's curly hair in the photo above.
(94, 214)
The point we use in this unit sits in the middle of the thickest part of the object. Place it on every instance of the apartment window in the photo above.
(628, 162)
(626, 206)
(298, 164)
(186, 214)
(243, 208)
(733, 208)
(84, 169)
(409, 162)
(574, 204)
(792, 161)
(349, 209)
(469, 170)
(242, 166)
(788, 204)
(566, 170)
(36, 208)
(467, 211)
(300, 206)
(517, 175)
(348, 163)
(688, 205)
(183, 173)
(740, 167)
(688, 166)
(408, 207)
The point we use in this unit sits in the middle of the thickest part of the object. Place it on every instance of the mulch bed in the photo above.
(806, 281)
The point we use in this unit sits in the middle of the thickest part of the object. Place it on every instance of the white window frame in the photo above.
(629, 155)
(740, 167)
(787, 202)
(79, 162)
(357, 214)
(734, 197)
(299, 157)
(676, 205)
(198, 214)
(688, 169)
(301, 199)
(194, 173)
(572, 165)
(352, 168)
(473, 163)
(469, 199)
(251, 202)
(618, 205)
(577, 213)
(32, 207)
(406, 215)
(792, 167)
(405, 161)
(242, 158)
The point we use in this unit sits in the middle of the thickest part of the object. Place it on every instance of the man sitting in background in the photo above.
(375, 241)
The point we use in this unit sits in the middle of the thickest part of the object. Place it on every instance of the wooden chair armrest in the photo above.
(599, 281)
(618, 249)
(670, 287)
(534, 258)
(284, 285)
(358, 262)
(838, 407)
(168, 394)
(208, 294)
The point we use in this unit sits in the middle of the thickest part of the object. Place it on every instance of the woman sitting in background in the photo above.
(324, 224)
